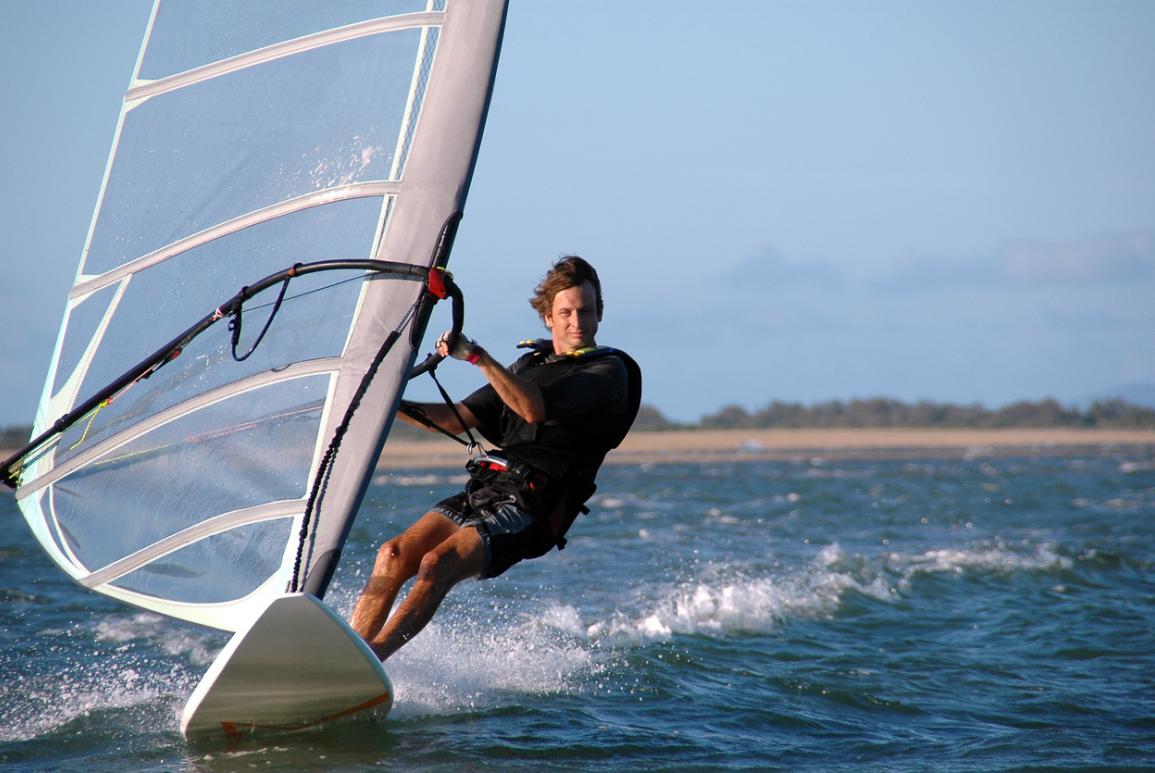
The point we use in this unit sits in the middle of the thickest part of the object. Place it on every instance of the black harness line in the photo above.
(414, 411)
(325, 468)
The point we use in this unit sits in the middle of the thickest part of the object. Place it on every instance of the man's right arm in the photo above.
(441, 415)
(519, 394)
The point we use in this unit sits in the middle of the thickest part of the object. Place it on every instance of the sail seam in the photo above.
(148, 89)
(314, 199)
(185, 537)
(412, 104)
(297, 370)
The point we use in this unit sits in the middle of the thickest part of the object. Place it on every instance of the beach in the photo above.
(785, 444)
(755, 445)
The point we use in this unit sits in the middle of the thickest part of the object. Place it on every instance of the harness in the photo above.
(492, 463)
(578, 488)
(524, 482)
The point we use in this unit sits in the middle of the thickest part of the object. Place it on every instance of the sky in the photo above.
(785, 199)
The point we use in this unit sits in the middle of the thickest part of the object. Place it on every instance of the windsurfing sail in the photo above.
(307, 163)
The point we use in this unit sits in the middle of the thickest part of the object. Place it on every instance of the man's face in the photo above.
(574, 318)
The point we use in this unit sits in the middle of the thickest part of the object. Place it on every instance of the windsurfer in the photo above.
(554, 414)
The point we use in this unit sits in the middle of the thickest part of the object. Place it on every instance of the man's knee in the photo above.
(436, 567)
(387, 554)
(392, 559)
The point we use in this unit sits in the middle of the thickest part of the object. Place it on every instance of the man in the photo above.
(554, 414)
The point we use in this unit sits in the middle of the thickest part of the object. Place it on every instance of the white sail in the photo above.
(254, 136)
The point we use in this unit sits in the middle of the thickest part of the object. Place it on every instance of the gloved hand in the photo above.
(463, 349)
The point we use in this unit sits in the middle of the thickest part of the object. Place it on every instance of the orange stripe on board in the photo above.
(230, 728)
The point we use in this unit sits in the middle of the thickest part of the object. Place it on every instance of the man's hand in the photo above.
(522, 396)
(463, 349)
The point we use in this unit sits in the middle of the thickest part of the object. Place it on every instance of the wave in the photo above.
(985, 559)
(482, 652)
(719, 606)
(728, 601)
(466, 664)
(114, 664)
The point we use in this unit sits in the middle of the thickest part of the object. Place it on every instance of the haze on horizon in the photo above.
(799, 201)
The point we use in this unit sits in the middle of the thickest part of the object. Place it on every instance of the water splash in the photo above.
(457, 664)
(140, 662)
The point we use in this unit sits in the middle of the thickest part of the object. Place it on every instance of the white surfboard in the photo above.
(298, 666)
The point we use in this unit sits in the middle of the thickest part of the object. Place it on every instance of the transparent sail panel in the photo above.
(160, 302)
(213, 151)
(422, 81)
(194, 33)
(223, 567)
(82, 323)
(254, 448)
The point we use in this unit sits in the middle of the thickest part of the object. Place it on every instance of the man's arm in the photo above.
(441, 415)
(521, 395)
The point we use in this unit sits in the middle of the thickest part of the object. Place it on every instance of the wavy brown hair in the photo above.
(569, 271)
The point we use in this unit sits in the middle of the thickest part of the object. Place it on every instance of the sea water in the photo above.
(984, 612)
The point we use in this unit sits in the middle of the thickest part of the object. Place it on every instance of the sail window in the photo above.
(312, 324)
(81, 326)
(239, 452)
(213, 151)
(220, 568)
(192, 34)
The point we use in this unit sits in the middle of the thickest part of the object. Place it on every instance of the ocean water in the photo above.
(976, 613)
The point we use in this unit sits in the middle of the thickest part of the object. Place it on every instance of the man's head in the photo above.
(569, 300)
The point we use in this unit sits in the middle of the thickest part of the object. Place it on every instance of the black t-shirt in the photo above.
(587, 412)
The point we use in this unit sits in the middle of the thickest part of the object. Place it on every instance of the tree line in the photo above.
(885, 412)
(870, 413)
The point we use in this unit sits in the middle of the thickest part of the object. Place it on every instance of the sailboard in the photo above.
(283, 190)
(335, 675)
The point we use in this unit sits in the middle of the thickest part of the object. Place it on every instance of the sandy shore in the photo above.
(788, 444)
(785, 444)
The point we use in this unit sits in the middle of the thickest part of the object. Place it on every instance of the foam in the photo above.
(116, 662)
(457, 665)
(989, 558)
(723, 601)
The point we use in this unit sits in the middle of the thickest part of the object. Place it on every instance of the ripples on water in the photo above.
(967, 614)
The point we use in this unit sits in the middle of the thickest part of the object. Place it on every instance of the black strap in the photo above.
(413, 411)
(235, 322)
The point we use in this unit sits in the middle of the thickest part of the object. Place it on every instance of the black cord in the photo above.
(235, 323)
(325, 469)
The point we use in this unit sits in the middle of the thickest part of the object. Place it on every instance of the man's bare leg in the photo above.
(397, 561)
(460, 556)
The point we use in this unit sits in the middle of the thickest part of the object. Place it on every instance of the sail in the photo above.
(255, 136)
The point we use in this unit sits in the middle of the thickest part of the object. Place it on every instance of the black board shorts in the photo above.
(508, 533)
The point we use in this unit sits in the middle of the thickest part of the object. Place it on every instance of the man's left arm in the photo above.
(523, 397)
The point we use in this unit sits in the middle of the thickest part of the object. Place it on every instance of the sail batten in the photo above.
(143, 427)
(207, 528)
(149, 88)
(369, 189)
(317, 162)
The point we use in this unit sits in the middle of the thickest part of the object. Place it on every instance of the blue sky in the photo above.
(787, 200)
